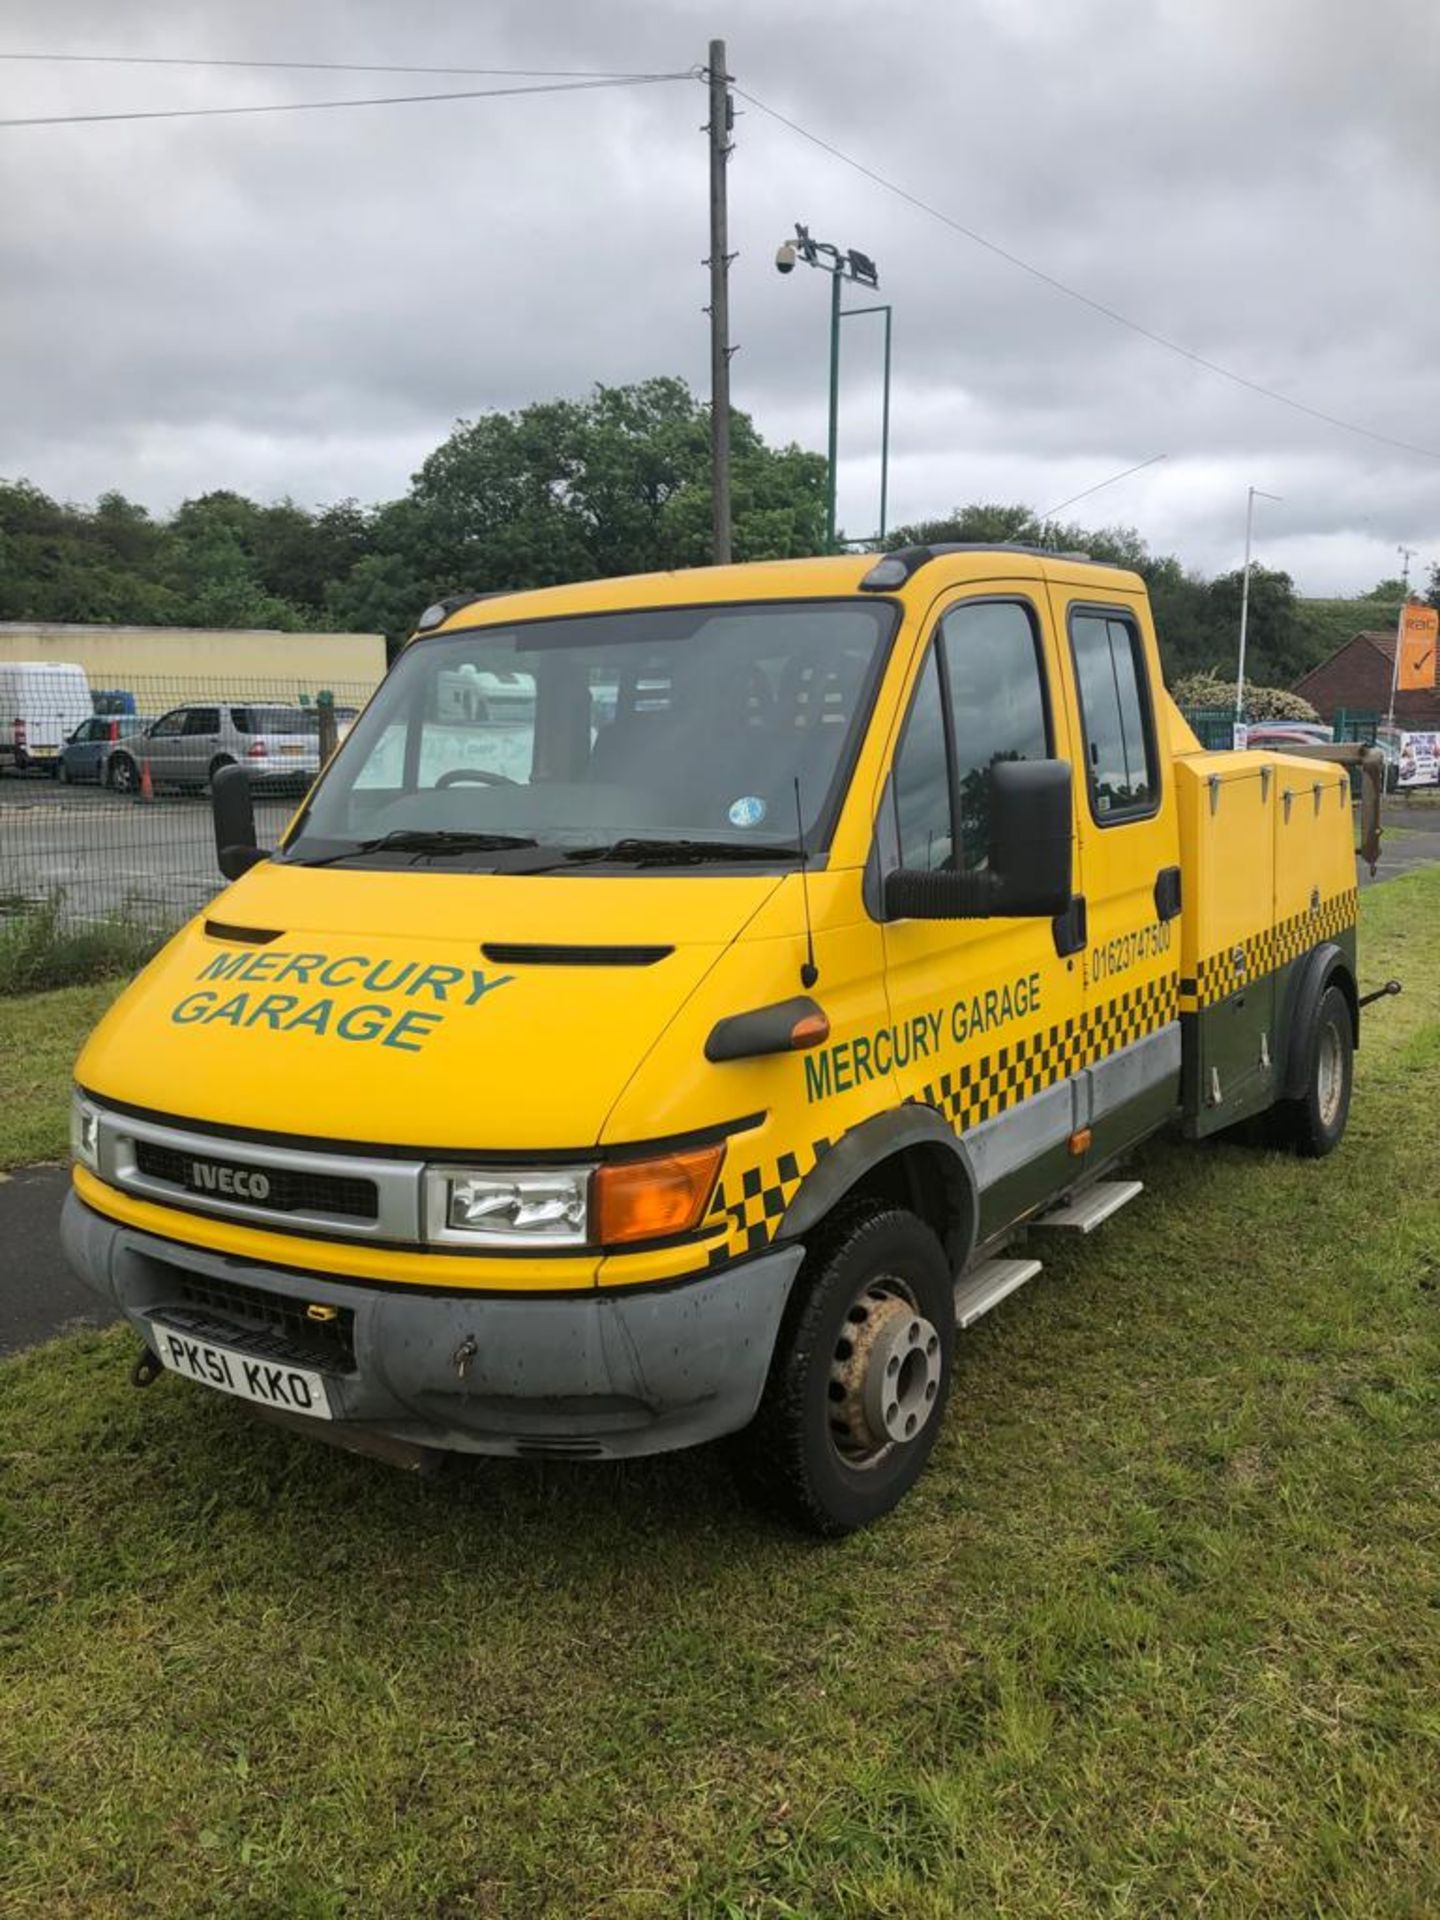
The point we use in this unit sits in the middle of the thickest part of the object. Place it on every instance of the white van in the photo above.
(41, 704)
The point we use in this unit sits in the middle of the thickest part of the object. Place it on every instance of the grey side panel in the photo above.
(1135, 1071)
(1013, 1139)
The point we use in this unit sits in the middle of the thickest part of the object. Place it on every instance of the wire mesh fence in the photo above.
(104, 794)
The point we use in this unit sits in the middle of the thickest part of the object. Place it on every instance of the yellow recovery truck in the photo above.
(682, 1003)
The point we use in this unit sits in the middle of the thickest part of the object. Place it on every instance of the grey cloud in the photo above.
(304, 304)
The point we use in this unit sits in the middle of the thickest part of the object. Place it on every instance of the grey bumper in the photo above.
(605, 1374)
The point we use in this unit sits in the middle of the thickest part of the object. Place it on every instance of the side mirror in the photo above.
(1029, 870)
(236, 848)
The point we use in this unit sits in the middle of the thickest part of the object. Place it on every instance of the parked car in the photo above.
(187, 747)
(41, 704)
(86, 754)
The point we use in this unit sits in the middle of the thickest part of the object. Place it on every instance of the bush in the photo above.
(39, 949)
(1261, 703)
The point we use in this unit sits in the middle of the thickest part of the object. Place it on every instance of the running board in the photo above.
(1093, 1207)
(987, 1285)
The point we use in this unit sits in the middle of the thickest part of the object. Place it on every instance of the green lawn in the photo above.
(40, 1035)
(1158, 1634)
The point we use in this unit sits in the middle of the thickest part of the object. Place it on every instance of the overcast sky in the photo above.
(304, 303)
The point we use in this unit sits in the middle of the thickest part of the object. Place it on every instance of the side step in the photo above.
(987, 1285)
(1093, 1207)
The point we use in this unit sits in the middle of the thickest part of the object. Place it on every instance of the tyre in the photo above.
(123, 774)
(220, 760)
(1314, 1125)
(860, 1374)
(62, 773)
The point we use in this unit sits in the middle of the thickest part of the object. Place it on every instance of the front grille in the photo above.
(268, 1325)
(289, 1192)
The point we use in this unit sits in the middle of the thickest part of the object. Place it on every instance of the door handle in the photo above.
(1167, 893)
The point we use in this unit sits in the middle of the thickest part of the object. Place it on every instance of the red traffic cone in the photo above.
(147, 785)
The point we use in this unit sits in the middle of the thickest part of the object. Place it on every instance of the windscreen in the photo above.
(665, 725)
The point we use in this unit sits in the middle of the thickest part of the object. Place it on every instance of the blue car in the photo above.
(86, 753)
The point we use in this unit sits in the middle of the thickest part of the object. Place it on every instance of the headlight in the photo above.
(508, 1207)
(85, 1132)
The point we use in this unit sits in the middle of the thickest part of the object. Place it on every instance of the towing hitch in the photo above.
(146, 1370)
(1390, 988)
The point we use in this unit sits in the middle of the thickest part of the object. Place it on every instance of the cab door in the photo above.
(1129, 869)
(985, 1014)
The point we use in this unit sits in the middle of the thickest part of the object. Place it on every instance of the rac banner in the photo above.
(1418, 629)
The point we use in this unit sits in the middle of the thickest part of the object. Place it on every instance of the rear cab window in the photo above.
(1116, 715)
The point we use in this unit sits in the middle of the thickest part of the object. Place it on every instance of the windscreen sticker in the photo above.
(748, 811)
(416, 997)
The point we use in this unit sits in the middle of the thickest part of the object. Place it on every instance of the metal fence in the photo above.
(104, 793)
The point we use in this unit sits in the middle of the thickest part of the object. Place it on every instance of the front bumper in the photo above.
(604, 1373)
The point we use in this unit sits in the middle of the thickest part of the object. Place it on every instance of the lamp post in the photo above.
(1254, 494)
(842, 264)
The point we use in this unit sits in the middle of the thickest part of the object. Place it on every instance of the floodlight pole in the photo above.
(841, 264)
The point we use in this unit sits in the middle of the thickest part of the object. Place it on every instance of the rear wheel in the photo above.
(220, 760)
(1314, 1125)
(123, 775)
(860, 1375)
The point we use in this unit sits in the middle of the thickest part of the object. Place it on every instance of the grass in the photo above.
(40, 1035)
(1157, 1634)
(40, 948)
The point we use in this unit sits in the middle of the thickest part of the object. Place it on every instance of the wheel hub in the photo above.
(1329, 1074)
(884, 1374)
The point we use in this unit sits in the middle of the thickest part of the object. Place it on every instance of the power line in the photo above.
(327, 66)
(1085, 299)
(320, 106)
(1100, 485)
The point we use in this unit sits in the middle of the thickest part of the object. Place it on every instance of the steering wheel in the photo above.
(482, 774)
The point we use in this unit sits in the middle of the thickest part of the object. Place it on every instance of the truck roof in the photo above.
(932, 568)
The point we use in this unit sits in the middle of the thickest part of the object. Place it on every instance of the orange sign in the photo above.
(1419, 627)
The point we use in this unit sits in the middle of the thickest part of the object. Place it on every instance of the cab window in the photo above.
(1115, 716)
(922, 783)
(997, 708)
(980, 699)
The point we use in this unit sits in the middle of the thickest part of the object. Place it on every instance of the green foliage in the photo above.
(1261, 703)
(617, 482)
(40, 949)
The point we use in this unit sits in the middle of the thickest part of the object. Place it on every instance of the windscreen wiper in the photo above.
(437, 840)
(681, 853)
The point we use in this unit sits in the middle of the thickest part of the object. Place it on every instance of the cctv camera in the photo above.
(785, 257)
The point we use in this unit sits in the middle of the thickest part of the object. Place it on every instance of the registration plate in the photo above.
(267, 1382)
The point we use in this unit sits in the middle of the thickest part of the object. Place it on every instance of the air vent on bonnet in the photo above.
(531, 955)
(247, 936)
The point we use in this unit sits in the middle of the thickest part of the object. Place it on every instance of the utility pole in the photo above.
(1254, 494)
(720, 122)
(1407, 554)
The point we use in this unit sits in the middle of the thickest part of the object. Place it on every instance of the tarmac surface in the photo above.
(40, 1298)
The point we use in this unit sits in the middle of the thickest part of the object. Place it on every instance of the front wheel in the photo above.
(1314, 1125)
(62, 773)
(123, 774)
(860, 1375)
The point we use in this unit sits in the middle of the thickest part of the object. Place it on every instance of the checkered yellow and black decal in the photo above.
(750, 1204)
(1225, 972)
(751, 1201)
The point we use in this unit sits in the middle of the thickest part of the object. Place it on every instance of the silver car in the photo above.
(188, 746)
